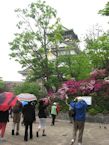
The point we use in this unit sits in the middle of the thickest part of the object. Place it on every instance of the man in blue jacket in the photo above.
(79, 109)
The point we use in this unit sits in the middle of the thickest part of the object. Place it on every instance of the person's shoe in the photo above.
(25, 140)
(79, 143)
(44, 135)
(105, 127)
(37, 134)
(72, 142)
(17, 133)
(31, 137)
(12, 132)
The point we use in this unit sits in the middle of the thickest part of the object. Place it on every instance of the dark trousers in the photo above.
(28, 125)
(78, 126)
(53, 119)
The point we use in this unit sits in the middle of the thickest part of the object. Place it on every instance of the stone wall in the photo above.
(100, 118)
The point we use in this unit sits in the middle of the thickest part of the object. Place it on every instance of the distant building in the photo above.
(70, 39)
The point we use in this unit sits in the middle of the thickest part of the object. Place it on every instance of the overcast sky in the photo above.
(79, 15)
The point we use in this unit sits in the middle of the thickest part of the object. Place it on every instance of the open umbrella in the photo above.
(26, 97)
(7, 100)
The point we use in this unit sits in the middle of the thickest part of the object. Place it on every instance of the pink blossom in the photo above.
(97, 87)
(98, 73)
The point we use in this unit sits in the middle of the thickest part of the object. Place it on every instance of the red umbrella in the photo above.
(7, 100)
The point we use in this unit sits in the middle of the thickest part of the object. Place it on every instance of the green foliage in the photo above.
(92, 111)
(32, 88)
(81, 66)
(105, 11)
(40, 31)
(63, 106)
(2, 86)
(53, 82)
(100, 103)
(77, 66)
(31, 45)
(98, 50)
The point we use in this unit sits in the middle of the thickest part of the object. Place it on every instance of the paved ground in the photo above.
(60, 134)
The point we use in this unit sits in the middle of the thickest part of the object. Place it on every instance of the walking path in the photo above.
(60, 134)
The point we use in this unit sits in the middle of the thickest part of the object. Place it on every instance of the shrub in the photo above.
(99, 109)
(92, 111)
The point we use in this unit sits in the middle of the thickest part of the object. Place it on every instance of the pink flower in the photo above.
(72, 91)
(97, 87)
(98, 73)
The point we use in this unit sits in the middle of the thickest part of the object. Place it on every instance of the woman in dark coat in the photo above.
(29, 117)
(42, 114)
(4, 118)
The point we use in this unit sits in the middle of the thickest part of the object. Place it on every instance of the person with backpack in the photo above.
(79, 109)
(16, 117)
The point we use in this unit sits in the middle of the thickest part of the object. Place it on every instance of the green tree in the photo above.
(76, 66)
(105, 11)
(98, 50)
(31, 45)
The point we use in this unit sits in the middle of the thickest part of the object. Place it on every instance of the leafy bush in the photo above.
(63, 106)
(99, 109)
(92, 111)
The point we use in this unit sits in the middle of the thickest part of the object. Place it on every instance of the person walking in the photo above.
(53, 113)
(4, 118)
(42, 114)
(79, 109)
(16, 117)
(29, 117)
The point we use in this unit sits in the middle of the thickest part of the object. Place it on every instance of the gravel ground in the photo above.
(60, 134)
